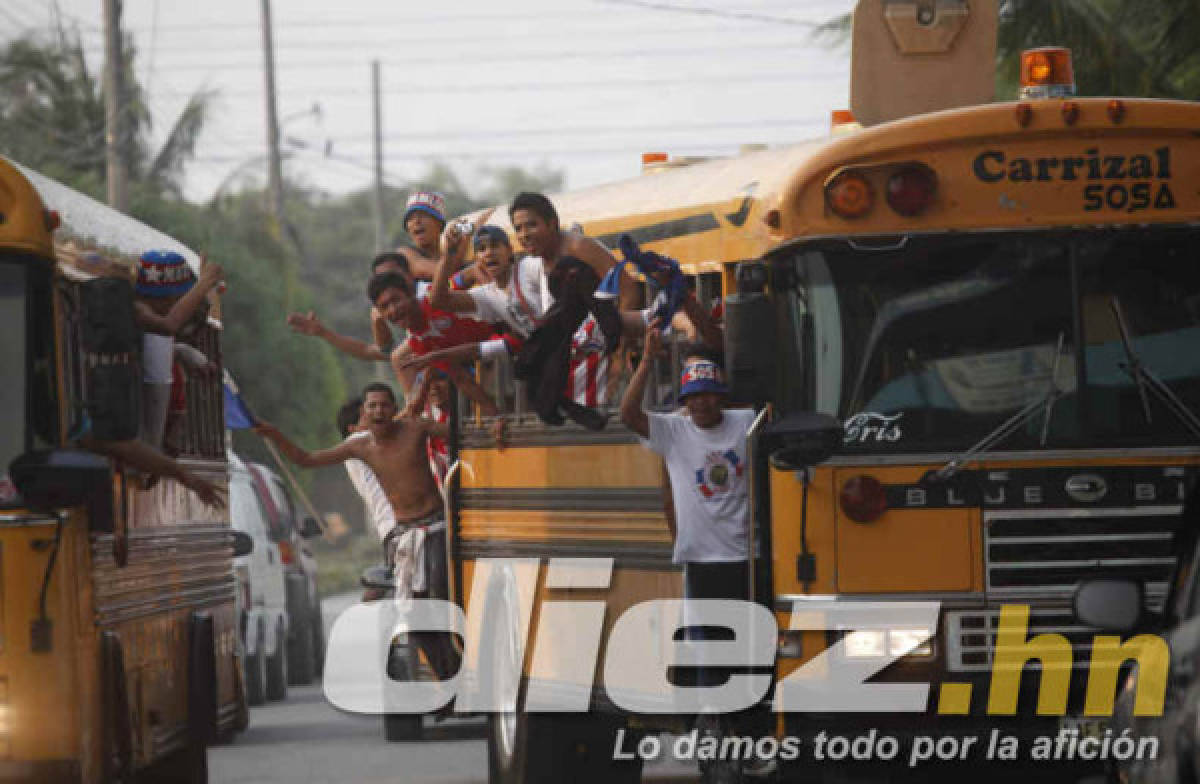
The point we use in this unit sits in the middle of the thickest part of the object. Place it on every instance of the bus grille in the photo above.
(1043, 554)
(1038, 557)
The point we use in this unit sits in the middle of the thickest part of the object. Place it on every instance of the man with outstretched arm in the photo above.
(394, 450)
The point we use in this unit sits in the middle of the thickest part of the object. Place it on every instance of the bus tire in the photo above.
(256, 671)
(277, 668)
(400, 667)
(402, 726)
(301, 658)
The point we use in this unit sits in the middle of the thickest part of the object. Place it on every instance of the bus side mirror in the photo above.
(311, 528)
(243, 543)
(60, 478)
(802, 439)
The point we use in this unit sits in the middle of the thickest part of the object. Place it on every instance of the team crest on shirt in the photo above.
(718, 474)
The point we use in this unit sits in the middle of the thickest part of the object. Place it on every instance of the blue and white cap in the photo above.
(702, 375)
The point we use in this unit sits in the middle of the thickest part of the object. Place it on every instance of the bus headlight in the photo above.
(865, 644)
(909, 642)
(872, 643)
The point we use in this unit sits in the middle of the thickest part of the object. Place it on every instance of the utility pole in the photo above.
(274, 166)
(380, 220)
(116, 138)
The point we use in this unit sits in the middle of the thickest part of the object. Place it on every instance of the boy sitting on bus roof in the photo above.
(424, 220)
(428, 330)
(518, 295)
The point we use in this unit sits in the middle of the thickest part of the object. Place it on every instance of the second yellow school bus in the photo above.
(971, 293)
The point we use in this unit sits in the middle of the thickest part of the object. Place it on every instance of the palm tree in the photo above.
(1120, 47)
(52, 116)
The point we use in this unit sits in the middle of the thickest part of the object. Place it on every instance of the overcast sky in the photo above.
(584, 86)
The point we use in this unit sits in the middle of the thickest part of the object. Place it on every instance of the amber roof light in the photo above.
(1047, 73)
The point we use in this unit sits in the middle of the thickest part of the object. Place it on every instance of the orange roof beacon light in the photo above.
(1047, 73)
(649, 158)
(849, 194)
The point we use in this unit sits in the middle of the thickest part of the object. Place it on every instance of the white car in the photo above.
(261, 585)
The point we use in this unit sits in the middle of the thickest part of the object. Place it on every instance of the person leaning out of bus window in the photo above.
(390, 262)
(424, 220)
(168, 298)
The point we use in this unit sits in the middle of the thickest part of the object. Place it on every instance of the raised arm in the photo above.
(710, 333)
(381, 331)
(632, 413)
(182, 310)
(441, 296)
(464, 352)
(309, 324)
(301, 457)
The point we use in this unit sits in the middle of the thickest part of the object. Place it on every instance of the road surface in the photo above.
(303, 740)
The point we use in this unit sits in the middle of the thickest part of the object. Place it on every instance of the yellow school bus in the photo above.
(117, 603)
(999, 302)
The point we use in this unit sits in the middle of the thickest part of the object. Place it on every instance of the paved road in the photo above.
(304, 740)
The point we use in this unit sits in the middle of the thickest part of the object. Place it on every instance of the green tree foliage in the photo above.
(52, 110)
(1119, 47)
(52, 116)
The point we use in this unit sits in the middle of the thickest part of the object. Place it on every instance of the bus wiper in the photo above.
(1044, 404)
(1147, 381)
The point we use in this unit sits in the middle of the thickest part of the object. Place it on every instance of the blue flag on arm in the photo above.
(237, 413)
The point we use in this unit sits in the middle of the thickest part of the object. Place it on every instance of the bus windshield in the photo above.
(932, 343)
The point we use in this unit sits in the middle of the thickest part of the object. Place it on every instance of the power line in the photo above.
(581, 130)
(748, 16)
(697, 80)
(459, 19)
(592, 31)
(693, 149)
(566, 54)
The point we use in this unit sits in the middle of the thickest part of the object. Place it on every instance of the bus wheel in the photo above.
(401, 667)
(277, 667)
(256, 671)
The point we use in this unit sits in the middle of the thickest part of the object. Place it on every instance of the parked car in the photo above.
(261, 588)
(1119, 606)
(306, 635)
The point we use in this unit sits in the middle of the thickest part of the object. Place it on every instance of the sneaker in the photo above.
(588, 417)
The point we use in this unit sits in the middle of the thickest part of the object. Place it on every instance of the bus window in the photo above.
(13, 359)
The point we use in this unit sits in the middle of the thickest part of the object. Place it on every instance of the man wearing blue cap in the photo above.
(704, 447)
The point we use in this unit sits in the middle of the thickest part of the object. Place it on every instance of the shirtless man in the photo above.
(394, 449)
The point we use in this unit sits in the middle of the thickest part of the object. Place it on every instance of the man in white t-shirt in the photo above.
(704, 446)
